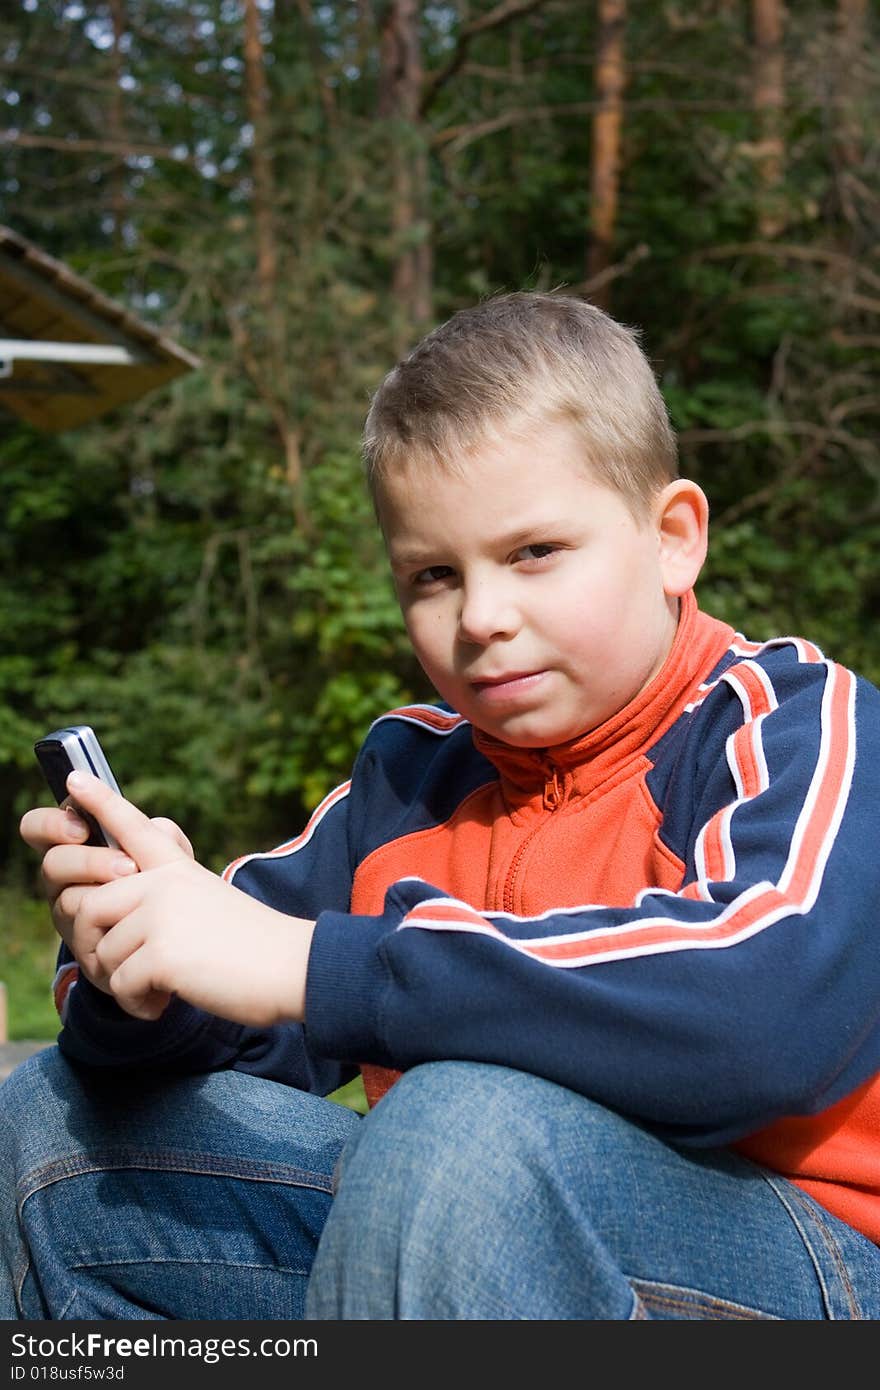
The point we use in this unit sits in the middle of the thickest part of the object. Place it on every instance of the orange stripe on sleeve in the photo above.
(291, 846)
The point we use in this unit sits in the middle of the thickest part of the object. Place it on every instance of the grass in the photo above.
(28, 946)
(352, 1095)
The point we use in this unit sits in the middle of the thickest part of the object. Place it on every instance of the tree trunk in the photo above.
(769, 102)
(117, 123)
(852, 16)
(610, 81)
(400, 93)
(261, 161)
(270, 366)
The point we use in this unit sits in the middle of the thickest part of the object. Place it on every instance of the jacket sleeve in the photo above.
(299, 878)
(751, 993)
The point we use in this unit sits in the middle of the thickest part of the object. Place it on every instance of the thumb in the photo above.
(148, 844)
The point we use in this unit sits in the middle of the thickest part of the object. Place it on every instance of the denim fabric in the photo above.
(195, 1198)
(470, 1192)
(477, 1192)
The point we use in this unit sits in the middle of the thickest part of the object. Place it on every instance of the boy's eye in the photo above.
(538, 551)
(434, 574)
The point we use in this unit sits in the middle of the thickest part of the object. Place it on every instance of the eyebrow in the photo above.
(408, 559)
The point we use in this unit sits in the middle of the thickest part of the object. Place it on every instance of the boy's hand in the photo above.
(70, 867)
(174, 927)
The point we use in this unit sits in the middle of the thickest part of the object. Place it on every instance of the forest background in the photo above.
(296, 191)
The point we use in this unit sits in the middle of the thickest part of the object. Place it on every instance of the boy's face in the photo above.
(533, 598)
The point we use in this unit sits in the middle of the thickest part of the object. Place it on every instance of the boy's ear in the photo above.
(682, 520)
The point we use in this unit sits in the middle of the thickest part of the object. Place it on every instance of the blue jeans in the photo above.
(470, 1192)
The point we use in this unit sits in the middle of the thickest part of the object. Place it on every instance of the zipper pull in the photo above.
(552, 791)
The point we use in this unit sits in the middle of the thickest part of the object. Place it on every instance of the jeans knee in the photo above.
(453, 1149)
(447, 1194)
(453, 1129)
(436, 1123)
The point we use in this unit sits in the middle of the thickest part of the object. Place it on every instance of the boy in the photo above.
(609, 908)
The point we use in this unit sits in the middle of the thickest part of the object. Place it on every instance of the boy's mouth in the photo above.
(510, 683)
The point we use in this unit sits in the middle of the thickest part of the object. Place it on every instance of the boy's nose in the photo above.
(487, 613)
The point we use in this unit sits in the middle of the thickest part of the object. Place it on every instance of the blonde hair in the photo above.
(520, 361)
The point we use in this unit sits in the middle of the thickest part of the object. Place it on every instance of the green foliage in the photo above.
(823, 586)
(28, 947)
(228, 626)
(230, 664)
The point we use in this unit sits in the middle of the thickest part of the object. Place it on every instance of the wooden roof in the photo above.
(54, 329)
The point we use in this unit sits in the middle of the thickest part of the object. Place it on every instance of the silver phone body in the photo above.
(76, 749)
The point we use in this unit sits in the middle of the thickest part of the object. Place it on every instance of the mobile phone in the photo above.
(76, 749)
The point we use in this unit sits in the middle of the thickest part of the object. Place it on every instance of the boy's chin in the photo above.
(526, 737)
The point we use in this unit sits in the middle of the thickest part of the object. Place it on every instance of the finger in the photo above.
(127, 960)
(66, 865)
(146, 843)
(101, 912)
(71, 923)
(103, 907)
(132, 991)
(65, 908)
(147, 1007)
(120, 942)
(52, 825)
(84, 951)
(171, 828)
